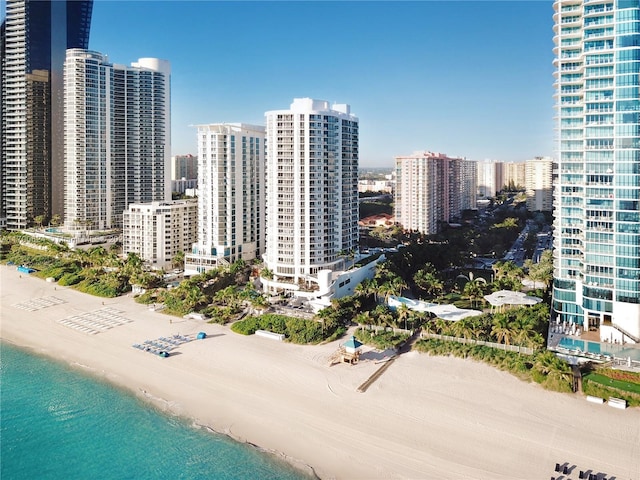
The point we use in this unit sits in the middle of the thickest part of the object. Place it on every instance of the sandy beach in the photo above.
(424, 418)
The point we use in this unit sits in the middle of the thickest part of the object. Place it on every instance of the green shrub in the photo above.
(69, 279)
(596, 389)
(381, 339)
(296, 330)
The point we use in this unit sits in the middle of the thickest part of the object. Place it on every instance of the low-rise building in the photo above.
(157, 231)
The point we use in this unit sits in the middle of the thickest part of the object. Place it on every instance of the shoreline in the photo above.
(425, 417)
(163, 406)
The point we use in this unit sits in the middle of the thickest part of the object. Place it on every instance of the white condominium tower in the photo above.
(597, 192)
(312, 189)
(117, 138)
(432, 188)
(231, 196)
(538, 184)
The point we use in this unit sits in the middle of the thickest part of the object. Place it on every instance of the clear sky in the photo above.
(466, 78)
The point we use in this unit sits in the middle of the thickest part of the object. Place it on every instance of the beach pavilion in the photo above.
(499, 299)
(444, 311)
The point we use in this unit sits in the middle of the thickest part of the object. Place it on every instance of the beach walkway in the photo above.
(404, 348)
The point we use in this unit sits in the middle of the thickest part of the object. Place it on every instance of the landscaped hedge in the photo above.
(295, 330)
(381, 339)
(601, 385)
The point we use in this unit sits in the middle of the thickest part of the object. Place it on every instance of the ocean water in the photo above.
(58, 423)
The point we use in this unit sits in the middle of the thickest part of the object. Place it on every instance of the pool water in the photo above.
(572, 344)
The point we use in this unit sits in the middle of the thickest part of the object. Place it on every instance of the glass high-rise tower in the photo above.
(34, 38)
(597, 176)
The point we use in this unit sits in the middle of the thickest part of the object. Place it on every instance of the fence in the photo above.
(499, 346)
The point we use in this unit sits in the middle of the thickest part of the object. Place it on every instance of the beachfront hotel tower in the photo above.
(33, 39)
(231, 196)
(117, 138)
(312, 191)
(597, 184)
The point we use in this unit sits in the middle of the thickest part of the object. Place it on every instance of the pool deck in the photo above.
(619, 354)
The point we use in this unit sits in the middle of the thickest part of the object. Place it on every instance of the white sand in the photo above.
(425, 417)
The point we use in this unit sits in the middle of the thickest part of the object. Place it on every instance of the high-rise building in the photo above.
(184, 167)
(490, 180)
(513, 175)
(117, 138)
(34, 38)
(538, 184)
(597, 191)
(231, 196)
(157, 231)
(432, 188)
(312, 191)
(468, 184)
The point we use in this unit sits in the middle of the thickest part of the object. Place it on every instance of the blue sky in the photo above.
(465, 78)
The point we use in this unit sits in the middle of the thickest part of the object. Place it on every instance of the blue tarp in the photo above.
(201, 335)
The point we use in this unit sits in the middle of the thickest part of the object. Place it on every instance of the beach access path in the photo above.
(426, 417)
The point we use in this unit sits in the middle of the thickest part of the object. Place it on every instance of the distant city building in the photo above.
(538, 183)
(385, 186)
(597, 193)
(312, 192)
(157, 231)
(33, 39)
(184, 167)
(380, 220)
(432, 188)
(184, 186)
(117, 138)
(514, 175)
(468, 185)
(231, 196)
(490, 179)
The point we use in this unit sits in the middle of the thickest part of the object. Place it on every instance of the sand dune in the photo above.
(426, 417)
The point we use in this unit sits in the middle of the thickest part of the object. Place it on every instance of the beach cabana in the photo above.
(201, 335)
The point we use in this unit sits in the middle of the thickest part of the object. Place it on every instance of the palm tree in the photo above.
(39, 219)
(98, 256)
(193, 298)
(403, 314)
(177, 261)
(546, 363)
(386, 289)
(443, 326)
(458, 329)
(473, 291)
(523, 330)
(383, 316)
(364, 318)
(398, 285)
(428, 326)
(426, 280)
(501, 328)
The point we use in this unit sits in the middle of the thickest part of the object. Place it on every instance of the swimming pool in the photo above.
(619, 351)
(573, 344)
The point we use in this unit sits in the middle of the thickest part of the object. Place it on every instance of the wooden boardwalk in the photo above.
(404, 348)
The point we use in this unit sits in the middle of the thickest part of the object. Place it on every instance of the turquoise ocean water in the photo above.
(57, 423)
